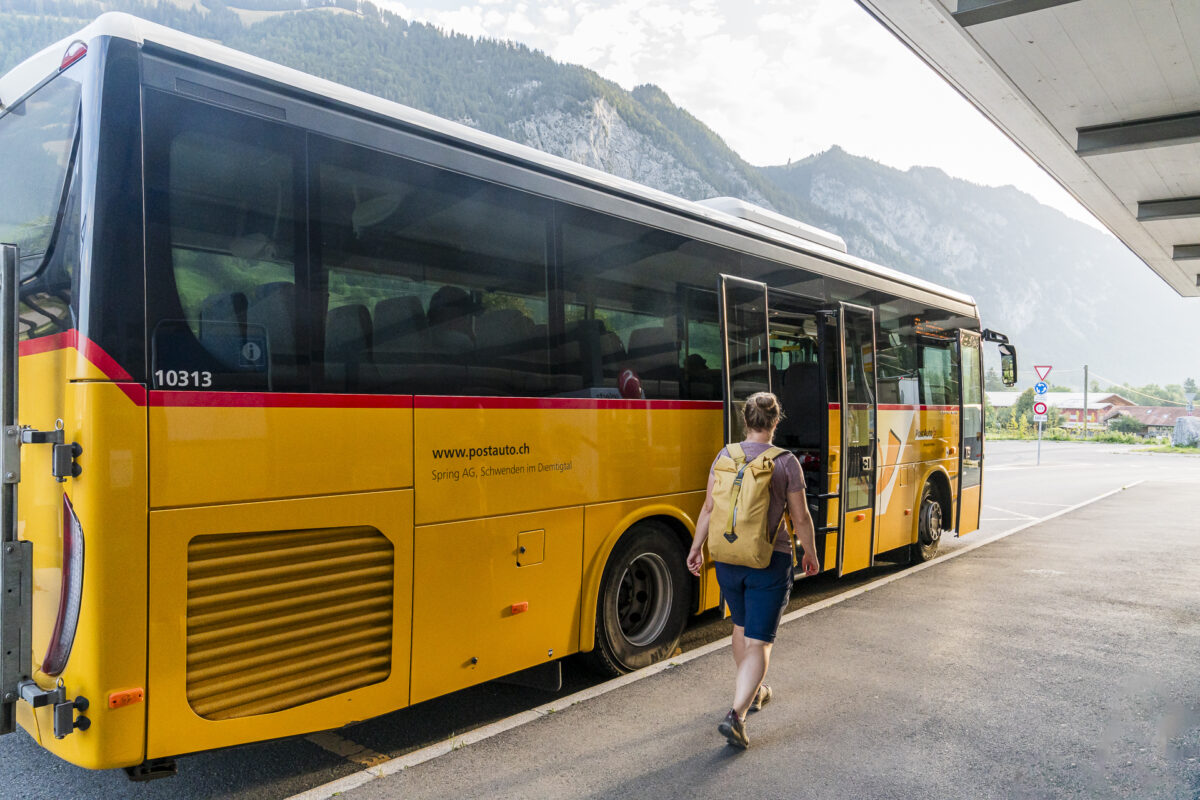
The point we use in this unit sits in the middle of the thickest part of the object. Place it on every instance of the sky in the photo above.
(778, 80)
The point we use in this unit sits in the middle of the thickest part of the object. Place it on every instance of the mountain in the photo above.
(1066, 293)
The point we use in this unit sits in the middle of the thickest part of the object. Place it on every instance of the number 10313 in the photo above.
(182, 379)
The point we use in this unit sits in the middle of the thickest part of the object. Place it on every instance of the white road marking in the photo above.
(1035, 503)
(1016, 514)
(1035, 465)
(333, 788)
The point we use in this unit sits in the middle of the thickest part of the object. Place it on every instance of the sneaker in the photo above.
(734, 730)
(762, 698)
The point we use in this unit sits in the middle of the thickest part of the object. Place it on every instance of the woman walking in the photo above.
(758, 597)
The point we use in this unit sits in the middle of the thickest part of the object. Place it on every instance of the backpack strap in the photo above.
(739, 459)
(771, 453)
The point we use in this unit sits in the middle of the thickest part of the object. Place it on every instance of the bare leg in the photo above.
(739, 646)
(756, 655)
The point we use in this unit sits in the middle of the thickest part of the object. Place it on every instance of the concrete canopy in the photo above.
(1104, 94)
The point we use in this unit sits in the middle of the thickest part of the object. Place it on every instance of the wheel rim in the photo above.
(931, 522)
(644, 597)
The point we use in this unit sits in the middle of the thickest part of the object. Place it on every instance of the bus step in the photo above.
(152, 770)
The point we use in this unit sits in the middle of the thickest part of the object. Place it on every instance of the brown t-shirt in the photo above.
(786, 478)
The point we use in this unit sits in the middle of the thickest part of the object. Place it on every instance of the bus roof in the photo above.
(789, 233)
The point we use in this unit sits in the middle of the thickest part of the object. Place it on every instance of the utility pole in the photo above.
(1085, 407)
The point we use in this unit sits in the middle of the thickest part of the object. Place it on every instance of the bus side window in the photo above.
(451, 271)
(222, 237)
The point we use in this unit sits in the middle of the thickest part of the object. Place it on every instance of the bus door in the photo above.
(856, 542)
(799, 365)
(746, 363)
(970, 460)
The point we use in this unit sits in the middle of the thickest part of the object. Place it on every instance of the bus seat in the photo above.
(400, 326)
(348, 362)
(451, 325)
(223, 307)
(654, 355)
(582, 354)
(803, 416)
(273, 307)
(653, 352)
(506, 354)
(223, 326)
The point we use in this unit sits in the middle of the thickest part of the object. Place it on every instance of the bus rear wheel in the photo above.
(645, 594)
(929, 525)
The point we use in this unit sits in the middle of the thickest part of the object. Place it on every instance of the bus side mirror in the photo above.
(1008, 364)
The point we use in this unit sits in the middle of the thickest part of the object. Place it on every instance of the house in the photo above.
(1159, 420)
(1070, 404)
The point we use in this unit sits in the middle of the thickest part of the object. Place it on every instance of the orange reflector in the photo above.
(520, 608)
(125, 698)
(859, 517)
(908, 512)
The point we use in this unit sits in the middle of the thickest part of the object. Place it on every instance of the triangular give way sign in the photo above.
(1042, 372)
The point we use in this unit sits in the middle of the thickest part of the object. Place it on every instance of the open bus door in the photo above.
(858, 410)
(746, 362)
(970, 459)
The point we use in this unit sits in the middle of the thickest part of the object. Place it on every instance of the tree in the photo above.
(1123, 423)
(1189, 386)
(1054, 418)
(1024, 405)
(992, 382)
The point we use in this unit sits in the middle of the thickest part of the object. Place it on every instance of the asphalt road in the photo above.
(1017, 490)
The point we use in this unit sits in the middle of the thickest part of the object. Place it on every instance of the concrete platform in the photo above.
(1063, 661)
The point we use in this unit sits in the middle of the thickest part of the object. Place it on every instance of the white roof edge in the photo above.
(126, 26)
(764, 216)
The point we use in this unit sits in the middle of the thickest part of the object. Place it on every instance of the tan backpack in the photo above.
(737, 529)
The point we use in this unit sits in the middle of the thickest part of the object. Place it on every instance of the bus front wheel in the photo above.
(645, 594)
(929, 525)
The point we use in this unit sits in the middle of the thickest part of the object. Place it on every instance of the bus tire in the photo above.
(643, 603)
(929, 525)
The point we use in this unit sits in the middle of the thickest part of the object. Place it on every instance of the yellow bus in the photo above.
(328, 406)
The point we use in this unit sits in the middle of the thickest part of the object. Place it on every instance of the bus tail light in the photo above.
(75, 51)
(71, 594)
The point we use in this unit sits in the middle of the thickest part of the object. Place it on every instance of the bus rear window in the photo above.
(37, 138)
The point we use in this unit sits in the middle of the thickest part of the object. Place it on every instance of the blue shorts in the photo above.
(757, 597)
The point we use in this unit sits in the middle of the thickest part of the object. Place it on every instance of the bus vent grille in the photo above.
(279, 619)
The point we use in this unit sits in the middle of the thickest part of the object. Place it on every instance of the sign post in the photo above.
(1039, 416)
(1039, 405)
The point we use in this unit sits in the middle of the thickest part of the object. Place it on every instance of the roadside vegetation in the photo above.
(1017, 423)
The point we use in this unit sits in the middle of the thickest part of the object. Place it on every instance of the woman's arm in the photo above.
(805, 532)
(695, 558)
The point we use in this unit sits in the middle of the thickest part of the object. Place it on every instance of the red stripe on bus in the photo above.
(102, 360)
(91, 352)
(895, 407)
(591, 403)
(46, 344)
(170, 399)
